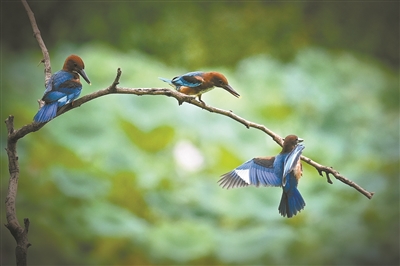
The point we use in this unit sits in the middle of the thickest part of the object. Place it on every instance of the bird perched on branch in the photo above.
(283, 170)
(197, 83)
(63, 87)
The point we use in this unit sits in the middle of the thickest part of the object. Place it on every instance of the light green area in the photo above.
(107, 184)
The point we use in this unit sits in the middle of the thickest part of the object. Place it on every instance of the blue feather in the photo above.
(46, 113)
(60, 90)
(190, 79)
(291, 203)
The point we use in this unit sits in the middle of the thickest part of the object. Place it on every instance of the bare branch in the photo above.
(20, 234)
(38, 36)
(191, 100)
(330, 171)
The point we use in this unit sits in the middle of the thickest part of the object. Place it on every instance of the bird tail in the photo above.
(46, 113)
(291, 203)
(166, 80)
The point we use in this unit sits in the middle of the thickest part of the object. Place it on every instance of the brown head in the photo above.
(75, 64)
(218, 80)
(290, 142)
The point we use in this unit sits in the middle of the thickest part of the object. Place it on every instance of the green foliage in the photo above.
(132, 180)
(194, 34)
(155, 140)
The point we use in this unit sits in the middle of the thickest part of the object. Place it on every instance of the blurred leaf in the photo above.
(80, 185)
(152, 141)
(106, 219)
(181, 241)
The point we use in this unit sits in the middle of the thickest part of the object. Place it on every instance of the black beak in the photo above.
(231, 90)
(84, 76)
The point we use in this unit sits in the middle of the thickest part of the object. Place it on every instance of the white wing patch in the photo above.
(244, 174)
(250, 173)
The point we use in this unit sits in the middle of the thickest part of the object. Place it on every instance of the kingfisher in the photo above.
(283, 170)
(63, 87)
(198, 82)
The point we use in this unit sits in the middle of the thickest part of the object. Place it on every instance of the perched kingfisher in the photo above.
(283, 170)
(198, 82)
(63, 87)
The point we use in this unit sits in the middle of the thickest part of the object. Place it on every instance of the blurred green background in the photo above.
(127, 180)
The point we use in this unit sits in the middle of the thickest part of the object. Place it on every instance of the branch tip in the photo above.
(116, 80)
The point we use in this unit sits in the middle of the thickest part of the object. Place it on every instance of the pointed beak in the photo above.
(300, 140)
(84, 76)
(231, 90)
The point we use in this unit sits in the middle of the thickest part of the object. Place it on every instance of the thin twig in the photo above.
(38, 36)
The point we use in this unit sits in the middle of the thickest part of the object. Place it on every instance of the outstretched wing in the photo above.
(291, 161)
(256, 172)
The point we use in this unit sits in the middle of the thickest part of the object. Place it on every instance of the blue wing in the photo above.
(57, 79)
(253, 172)
(191, 79)
(62, 88)
(291, 161)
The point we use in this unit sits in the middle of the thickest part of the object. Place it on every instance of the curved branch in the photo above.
(330, 171)
(191, 100)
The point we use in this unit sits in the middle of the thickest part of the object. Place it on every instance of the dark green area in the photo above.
(128, 180)
(195, 34)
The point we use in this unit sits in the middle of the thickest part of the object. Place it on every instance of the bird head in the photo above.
(290, 142)
(219, 80)
(75, 64)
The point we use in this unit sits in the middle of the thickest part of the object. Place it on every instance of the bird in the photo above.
(283, 170)
(198, 82)
(63, 87)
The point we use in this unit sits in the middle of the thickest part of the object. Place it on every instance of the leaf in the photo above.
(152, 141)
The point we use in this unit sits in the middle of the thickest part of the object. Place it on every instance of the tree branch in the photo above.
(191, 100)
(20, 234)
(38, 36)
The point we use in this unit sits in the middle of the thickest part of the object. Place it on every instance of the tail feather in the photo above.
(169, 81)
(46, 113)
(291, 203)
(166, 80)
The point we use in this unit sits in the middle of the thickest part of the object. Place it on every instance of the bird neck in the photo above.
(286, 149)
